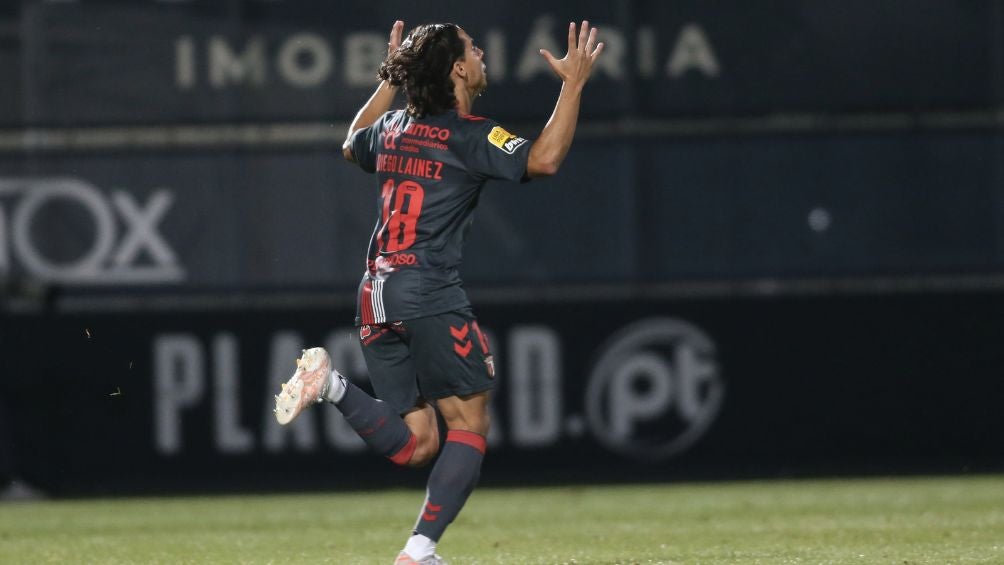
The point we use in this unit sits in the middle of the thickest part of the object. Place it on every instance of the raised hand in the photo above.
(395, 36)
(577, 64)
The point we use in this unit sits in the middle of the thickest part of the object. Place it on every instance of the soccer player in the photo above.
(422, 344)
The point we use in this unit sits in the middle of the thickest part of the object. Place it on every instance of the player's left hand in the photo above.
(395, 36)
(577, 64)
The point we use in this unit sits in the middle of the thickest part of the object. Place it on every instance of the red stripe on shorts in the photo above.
(366, 303)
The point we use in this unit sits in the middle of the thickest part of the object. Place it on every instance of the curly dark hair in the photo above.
(422, 65)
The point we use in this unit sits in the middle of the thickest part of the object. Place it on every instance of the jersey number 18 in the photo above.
(401, 219)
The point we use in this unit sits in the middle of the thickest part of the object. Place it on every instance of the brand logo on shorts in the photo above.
(463, 344)
(504, 140)
(490, 365)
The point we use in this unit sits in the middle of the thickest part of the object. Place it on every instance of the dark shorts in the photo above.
(427, 358)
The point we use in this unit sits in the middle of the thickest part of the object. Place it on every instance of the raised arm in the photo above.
(379, 102)
(549, 150)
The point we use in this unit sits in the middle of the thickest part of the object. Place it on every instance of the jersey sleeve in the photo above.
(497, 154)
(364, 148)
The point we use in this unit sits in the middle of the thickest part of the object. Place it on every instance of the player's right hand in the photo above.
(577, 64)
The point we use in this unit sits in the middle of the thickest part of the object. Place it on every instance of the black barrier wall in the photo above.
(176, 222)
(635, 390)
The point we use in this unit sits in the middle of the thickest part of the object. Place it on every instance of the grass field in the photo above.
(893, 521)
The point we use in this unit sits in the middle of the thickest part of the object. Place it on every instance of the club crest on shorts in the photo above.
(504, 140)
(490, 365)
(365, 332)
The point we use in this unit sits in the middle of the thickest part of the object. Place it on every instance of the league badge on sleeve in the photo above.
(504, 140)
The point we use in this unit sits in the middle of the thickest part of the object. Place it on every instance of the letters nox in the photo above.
(119, 231)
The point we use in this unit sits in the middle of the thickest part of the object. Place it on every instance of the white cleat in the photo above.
(307, 386)
(405, 559)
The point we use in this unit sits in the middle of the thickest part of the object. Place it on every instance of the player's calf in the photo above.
(375, 421)
(451, 482)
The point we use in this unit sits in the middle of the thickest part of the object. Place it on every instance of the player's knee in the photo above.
(480, 424)
(426, 449)
(477, 422)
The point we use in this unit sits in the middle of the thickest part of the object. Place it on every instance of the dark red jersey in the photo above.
(430, 173)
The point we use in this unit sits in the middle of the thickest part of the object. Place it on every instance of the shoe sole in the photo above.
(289, 403)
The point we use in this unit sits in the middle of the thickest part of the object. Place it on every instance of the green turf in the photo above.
(893, 521)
